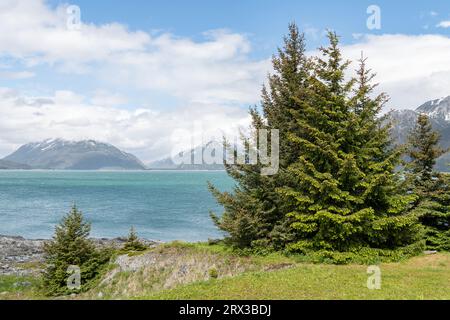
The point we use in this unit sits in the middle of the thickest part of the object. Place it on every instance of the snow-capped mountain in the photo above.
(438, 109)
(439, 112)
(190, 155)
(94, 155)
(74, 155)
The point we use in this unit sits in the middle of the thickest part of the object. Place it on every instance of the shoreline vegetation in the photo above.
(343, 190)
(178, 270)
(23, 256)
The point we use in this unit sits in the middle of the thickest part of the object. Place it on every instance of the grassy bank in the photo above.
(425, 277)
(201, 271)
(20, 288)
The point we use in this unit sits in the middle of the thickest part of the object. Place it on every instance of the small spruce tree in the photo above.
(71, 246)
(434, 213)
(423, 150)
(431, 186)
(133, 243)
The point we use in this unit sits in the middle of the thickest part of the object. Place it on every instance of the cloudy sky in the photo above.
(134, 72)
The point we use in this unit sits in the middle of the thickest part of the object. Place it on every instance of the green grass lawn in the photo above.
(19, 288)
(425, 277)
(273, 276)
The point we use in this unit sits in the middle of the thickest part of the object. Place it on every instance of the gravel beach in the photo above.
(20, 256)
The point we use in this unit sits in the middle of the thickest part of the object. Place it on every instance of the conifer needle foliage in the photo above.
(71, 246)
(337, 192)
(433, 188)
(133, 243)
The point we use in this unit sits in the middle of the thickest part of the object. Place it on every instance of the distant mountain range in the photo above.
(403, 122)
(439, 113)
(72, 155)
(4, 164)
(169, 163)
(93, 155)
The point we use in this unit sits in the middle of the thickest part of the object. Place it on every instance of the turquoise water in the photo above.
(161, 205)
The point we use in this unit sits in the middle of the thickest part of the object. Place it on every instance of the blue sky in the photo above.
(137, 70)
(265, 20)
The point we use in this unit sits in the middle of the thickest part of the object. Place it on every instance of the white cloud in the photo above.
(444, 24)
(209, 76)
(216, 69)
(410, 68)
(145, 132)
(16, 75)
(108, 99)
(33, 32)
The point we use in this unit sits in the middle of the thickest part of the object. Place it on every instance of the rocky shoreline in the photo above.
(21, 257)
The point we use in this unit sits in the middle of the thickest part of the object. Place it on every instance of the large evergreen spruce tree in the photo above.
(345, 195)
(337, 189)
(255, 213)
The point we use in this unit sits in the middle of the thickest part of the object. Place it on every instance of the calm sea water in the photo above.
(162, 205)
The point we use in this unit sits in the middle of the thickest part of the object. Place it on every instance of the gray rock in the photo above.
(16, 251)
